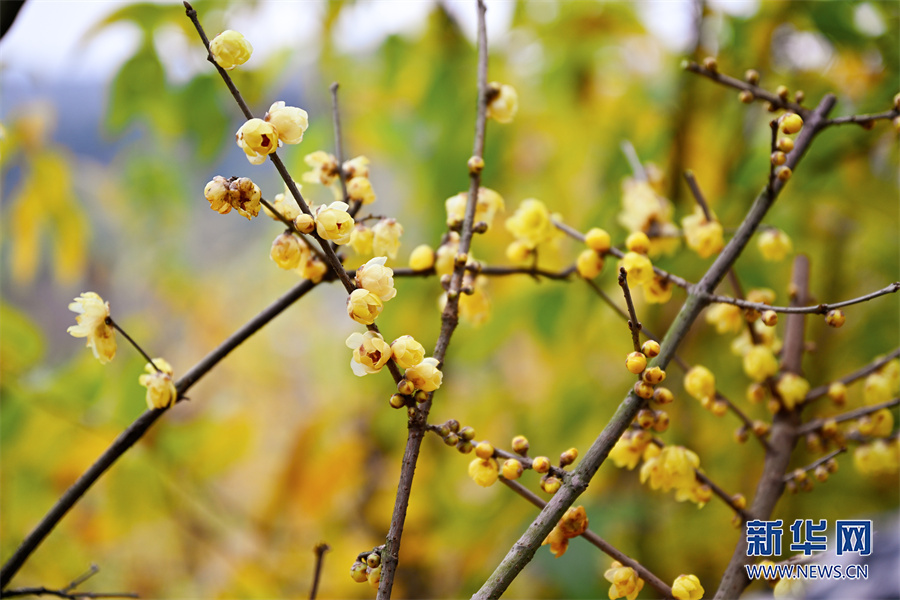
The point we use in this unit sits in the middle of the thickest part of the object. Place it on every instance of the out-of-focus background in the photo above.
(113, 121)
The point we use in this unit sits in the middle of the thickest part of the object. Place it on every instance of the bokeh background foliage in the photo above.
(281, 447)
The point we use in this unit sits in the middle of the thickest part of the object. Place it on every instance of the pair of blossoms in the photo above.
(791, 388)
(370, 351)
(625, 583)
(94, 323)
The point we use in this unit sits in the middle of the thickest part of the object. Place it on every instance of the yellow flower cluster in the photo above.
(792, 389)
(161, 392)
(625, 581)
(673, 468)
(629, 448)
(239, 193)
(573, 523)
(702, 235)
(531, 224)
(282, 125)
(92, 314)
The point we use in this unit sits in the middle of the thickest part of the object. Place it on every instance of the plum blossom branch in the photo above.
(864, 119)
(819, 461)
(758, 93)
(643, 572)
(818, 309)
(850, 415)
(138, 428)
(818, 392)
(449, 320)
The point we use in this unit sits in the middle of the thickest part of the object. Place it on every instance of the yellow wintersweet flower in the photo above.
(700, 383)
(217, 192)
(289, 121)
(687, 587)
(624, 580)
(488, 204)
(230, 49)
(638, 268)
(531, 224)
(877, 389)
(407, 352)
(360, 190)
(92, 314)
(257, 139)
(285, 204)
(475, 308)
(237, 192)
(288, 251)
(161, 391)
(503, 102)
(421, 258)
(658, 290)
(589, 263)
(377, 278)
(878, 458)
(370, 352)
(386, 240)
(312, 268)
(325, 168)
(363, 306)
(878, 424)
(726, 317)
(334, 223)
(702, 235)
(425, 376)
(760, 363)
(642, 206)
(361, 239)
(559, 543)
(673, 467)
(356, 167)
(774, 244)
(629, 448)
(698, 493)
(792, 388)
(484, 471)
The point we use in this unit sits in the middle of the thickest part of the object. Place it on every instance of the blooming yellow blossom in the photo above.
(217, 193)
(356, 167)
(288, 251)
(289, 121)
(361, 239)
(325, 168)
(702, 235)
(237, 192)
(878, 424)
(161, 391)
(503, 102)
(370, 352)
(363, 306)
(792, 388)
(878, 458)
(700, 383)
(421, 258)
(92, 314)
(642, 206)
(531, 224)
(285, 204)
(572, 524)
(761, 296)
(687, 587)
(407, 352)
(658, 290)
(312, 268)
(638, 268)
(360, 190)
(489, 203)
(377, 278)
(760, 363)
(334, 223)
(726, 317)
(877, 389)
(386, 241)
(774, 244)
(257, 139)
(484, 471)
(230, 49)
(629, 448)
(425, 376)
(624, 580)
(673, 467)
(559, 543)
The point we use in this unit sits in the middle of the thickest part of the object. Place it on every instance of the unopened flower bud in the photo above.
(746, 96)
(568, 457)
(636, 362)
(650, 348)
(484, 450)
(835, 318)
(785, 144)
(541, 464)
(751, 76)
(398, 401)
(520, 445)
(465, 446)
(770, 318)
(406, 387)
(476, 165)
(710, 64)
(643, 390)
(467, 433)
(512, 469)
(663, 395)
(550, 484)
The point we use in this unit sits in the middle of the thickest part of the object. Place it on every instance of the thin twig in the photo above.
(872, 367)
(863, 119)
(114, 325)
(138, 428)
(819, 461)
(633, 324)
(851, 415)
(68, 591)
(320, 550)
(818, 309)
(758, 92)
(339, 149)
(449, 319)
(643, 572)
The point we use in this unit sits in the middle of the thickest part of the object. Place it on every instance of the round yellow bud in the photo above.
(568, 457)
(397, 401)
(520, 445)
(650, 348)
(718, 408)
(589, 263)
(541, 464)
(550, 484)
(636, 362)
(421, 258)
(791, 123)
(654, 375)
(638, 268)
(756, 393)
(476, 165)
(783, 173)
(778, 158)
(835, 318)
(746, 96)
(637, 241)
(598, 240)
(782, 92)
(230, 49)
(512, 469)
(710, 64)
(358, 571)
(770, 318)
(785, 144)
(837, 391)
(751, 76)
(645, 418)
(739, 501)
(663, 395)
(484, 450)
(305, 223)
(406, 387)
(643, 389)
